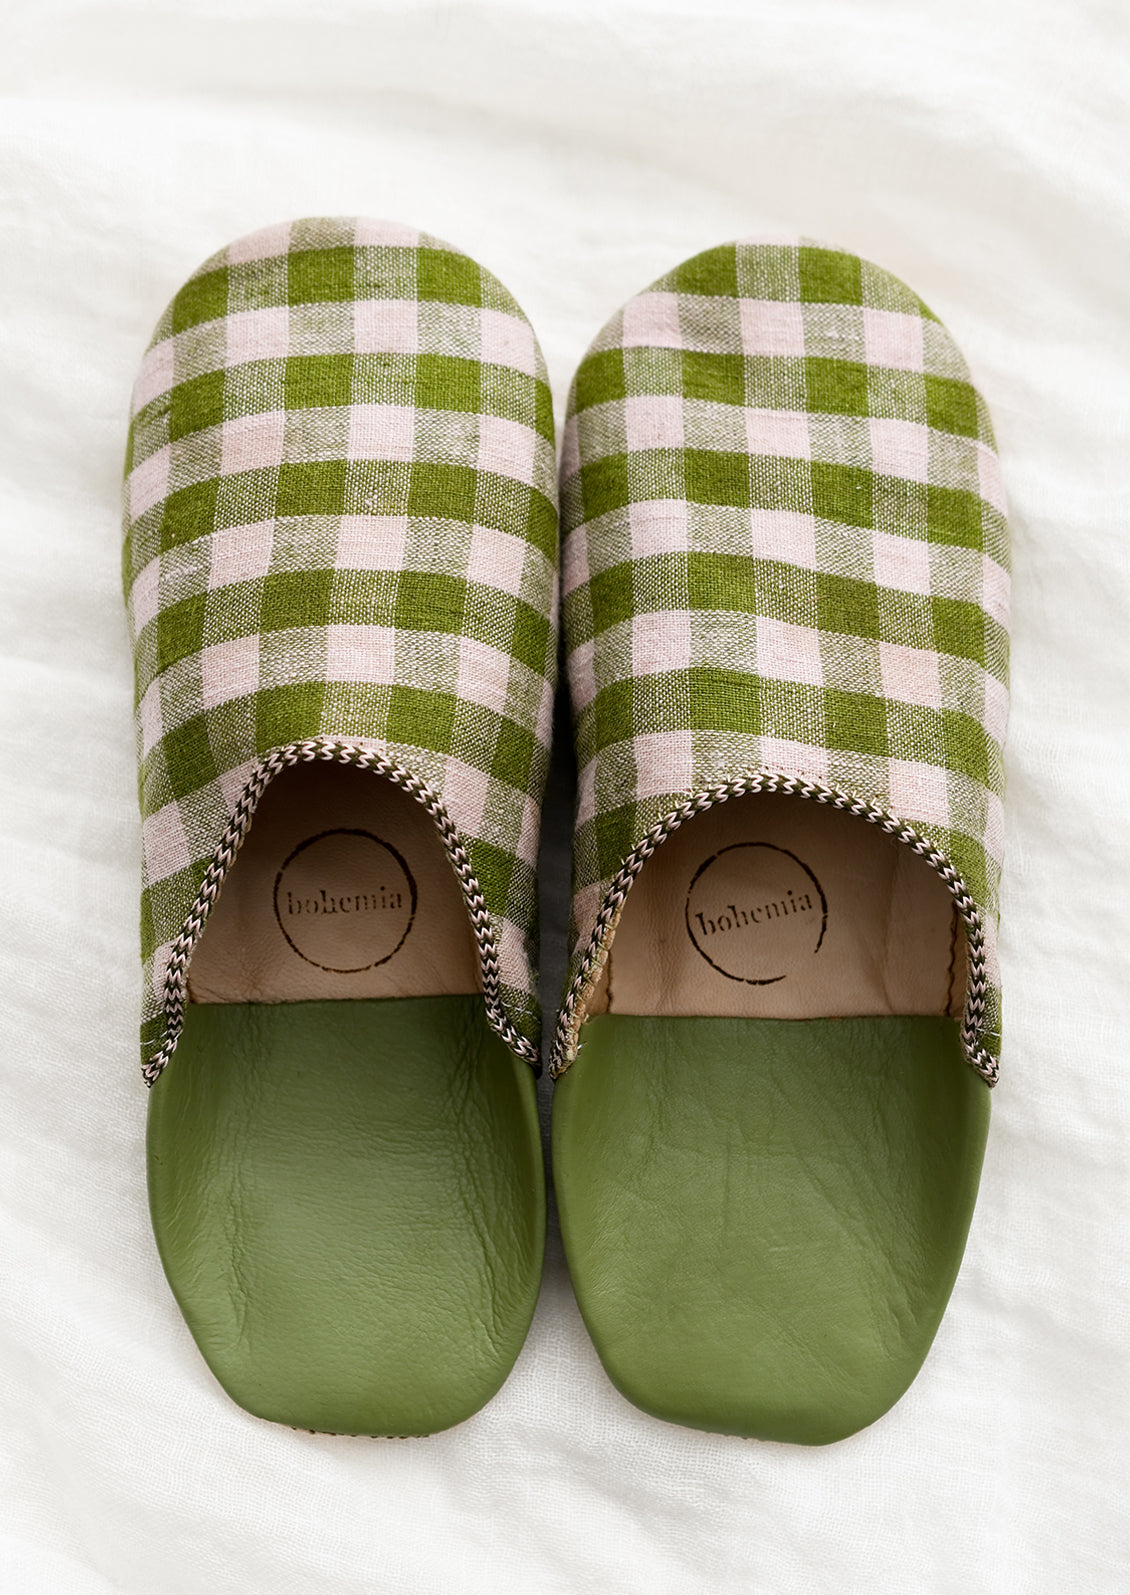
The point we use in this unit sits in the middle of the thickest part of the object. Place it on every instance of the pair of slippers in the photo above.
(785, 620)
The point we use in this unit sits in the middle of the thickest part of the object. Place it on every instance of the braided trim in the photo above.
(973, 1019)
(336, 751)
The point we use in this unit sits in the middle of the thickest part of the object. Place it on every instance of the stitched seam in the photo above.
(951, 974)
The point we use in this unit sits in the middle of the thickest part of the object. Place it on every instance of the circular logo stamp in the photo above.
(345, 901)
(756, 913)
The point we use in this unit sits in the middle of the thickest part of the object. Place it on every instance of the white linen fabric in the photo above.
(578, 148)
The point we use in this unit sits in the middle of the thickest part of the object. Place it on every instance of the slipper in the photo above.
(340, 563)
(786, 594)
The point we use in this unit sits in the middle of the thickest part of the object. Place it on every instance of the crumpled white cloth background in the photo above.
(978, 148)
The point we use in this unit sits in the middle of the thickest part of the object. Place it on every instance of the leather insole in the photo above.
(777, 907)
(341, 889)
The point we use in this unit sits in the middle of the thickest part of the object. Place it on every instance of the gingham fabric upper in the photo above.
(341, 535)
(785, 558)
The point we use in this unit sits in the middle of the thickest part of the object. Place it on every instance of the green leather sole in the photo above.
(349, 1205)
(764, 1218)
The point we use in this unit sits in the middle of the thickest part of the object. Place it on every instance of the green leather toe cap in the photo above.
(764, 1218)
(349, 1204)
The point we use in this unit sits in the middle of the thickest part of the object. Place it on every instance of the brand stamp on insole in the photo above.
(756, 913)
(345, 901)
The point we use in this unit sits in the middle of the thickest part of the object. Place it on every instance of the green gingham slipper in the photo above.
(340, 564)
(786, 598)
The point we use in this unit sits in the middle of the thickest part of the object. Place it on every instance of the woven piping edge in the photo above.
(596, 953)
(337, 751)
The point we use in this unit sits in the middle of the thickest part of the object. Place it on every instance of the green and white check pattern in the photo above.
(341, 537)
(785, 565)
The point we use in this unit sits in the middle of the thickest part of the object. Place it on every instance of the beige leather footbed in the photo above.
(773, 906)
(342, 889)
